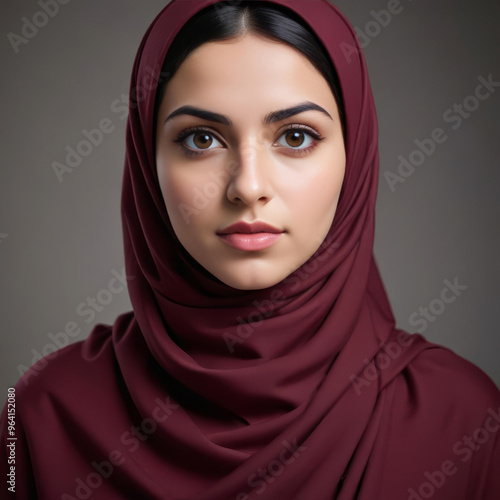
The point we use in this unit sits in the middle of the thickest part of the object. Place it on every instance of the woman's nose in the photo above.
(249, 181)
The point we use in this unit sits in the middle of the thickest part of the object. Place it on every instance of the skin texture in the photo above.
(250, 170)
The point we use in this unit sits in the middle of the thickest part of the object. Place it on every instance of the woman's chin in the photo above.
(250, 276)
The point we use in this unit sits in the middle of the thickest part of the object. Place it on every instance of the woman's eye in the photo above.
(296, 139)
(202, 141)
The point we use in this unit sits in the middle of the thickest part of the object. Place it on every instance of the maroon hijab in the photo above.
(305, 390)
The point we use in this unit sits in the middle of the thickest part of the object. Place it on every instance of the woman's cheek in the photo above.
(190, 196)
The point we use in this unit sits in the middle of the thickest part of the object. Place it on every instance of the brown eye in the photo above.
(203, 140)
(295, 138)
(198, 141)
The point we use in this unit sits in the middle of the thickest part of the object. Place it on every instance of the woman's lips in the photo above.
(251, 242)
(250, 237)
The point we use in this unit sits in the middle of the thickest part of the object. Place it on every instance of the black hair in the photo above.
(232, 19)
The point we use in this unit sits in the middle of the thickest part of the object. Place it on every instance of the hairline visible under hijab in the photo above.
(226, 22)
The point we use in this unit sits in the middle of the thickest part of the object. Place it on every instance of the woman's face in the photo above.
(250, 159)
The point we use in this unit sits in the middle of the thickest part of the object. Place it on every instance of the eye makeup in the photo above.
(305, 130)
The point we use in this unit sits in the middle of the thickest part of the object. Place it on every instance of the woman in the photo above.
(261, 358)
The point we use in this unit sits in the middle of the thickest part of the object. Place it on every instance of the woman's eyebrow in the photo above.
(200, 113)
(274, 116)
(283, 114)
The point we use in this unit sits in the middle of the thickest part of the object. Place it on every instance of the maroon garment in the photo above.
(321, 398)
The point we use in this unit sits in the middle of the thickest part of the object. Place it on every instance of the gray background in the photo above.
(64, 238)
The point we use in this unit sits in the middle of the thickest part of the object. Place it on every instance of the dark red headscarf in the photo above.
(301, 391)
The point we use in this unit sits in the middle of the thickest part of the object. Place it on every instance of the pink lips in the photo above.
(250, 237)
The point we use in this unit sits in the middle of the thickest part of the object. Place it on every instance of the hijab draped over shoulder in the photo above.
(305, 390)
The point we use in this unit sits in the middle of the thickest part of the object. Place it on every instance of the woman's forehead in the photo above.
(249, 72)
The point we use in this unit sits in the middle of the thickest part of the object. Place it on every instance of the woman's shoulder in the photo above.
(440, 374)
(72, 368)
(447, 395)
(443, 422)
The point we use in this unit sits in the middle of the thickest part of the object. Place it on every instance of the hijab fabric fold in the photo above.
(274, 365)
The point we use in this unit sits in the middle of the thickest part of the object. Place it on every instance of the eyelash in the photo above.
(296, 152)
